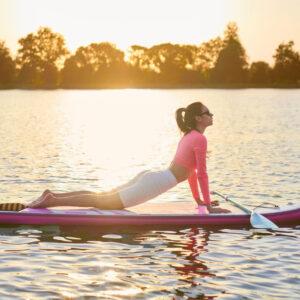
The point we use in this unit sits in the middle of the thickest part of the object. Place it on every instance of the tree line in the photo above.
(43, 61)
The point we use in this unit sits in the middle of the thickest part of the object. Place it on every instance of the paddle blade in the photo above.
(259, 221)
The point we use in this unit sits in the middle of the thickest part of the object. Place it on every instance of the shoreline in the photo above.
(163, 87)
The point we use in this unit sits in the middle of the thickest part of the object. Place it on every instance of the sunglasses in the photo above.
(207, 113)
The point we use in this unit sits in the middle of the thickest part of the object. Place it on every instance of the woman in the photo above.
(189, 163)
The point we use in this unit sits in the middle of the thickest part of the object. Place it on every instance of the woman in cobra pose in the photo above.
(189, 164)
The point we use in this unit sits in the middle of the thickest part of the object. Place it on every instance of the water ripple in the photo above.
(253, 156)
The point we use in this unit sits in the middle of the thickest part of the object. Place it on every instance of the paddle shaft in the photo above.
(257, 220)
(240, 206)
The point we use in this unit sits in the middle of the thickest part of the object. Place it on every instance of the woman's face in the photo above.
(206, 117)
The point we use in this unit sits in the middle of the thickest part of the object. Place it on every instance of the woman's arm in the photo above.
(193, 182)
(200, 156)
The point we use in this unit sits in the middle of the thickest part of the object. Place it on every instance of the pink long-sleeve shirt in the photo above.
(191, 153)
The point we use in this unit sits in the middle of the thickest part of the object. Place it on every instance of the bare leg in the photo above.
(103, 200)
(69, 194)
(84, 193)
(110, 201)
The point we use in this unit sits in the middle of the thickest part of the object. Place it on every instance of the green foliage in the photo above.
(7, 67)
(93, 66)
(39, 57)
(138, 57)
(170, 62)
(206, 55)
(287, 64)
(231, 65)
(44, 62)
(260, 73)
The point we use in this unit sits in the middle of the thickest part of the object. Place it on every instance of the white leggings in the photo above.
(145, 186)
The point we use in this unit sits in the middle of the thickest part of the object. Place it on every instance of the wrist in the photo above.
(202, 209)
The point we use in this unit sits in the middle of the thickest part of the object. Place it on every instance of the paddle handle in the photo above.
(240, 206)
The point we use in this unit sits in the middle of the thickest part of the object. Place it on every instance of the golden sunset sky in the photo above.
(263, 24)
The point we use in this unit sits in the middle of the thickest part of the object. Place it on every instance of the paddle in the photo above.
(257, 220)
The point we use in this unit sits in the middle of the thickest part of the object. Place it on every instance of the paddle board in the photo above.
(181, 214)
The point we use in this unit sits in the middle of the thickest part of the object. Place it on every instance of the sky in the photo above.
(263, 24)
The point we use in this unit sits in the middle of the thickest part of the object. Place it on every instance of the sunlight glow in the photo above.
(108, 137)
(124, 23)
(263, 24)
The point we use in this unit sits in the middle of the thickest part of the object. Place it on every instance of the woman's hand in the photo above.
(214, 203)
(217, 210)
(213, 207)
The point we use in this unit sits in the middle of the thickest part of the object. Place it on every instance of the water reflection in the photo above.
(94, 140)
(145, 264)
(196, 241)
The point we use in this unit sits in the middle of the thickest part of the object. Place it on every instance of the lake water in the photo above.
(95, 140)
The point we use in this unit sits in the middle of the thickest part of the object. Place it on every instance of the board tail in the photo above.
(12, 206)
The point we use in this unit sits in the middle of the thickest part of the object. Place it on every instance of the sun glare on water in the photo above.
(114, 131)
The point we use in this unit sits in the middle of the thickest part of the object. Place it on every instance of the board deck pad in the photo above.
(149, 208)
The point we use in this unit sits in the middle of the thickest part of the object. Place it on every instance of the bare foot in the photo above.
(43, 201)
(44, 194)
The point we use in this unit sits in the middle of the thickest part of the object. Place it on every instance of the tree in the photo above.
(171, 63)
(95, 65)
(260, 73)
(231, 65)
(141, 72)
(167, 58)
(7, 67)
(39, 58)
(138, 57)
(204, 57)
(287, 64)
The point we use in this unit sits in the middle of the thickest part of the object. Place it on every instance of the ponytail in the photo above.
(180, 120)
(187, 122)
